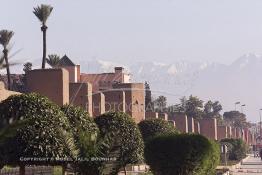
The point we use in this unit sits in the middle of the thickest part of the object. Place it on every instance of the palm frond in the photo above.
(5, 37)
(53, 60)
(3, 65)
(43, 12)
(69, 142)
(2, 62)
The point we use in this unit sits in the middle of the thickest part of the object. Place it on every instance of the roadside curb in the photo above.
(232, 167)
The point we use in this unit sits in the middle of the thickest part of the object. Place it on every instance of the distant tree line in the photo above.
(196, 108)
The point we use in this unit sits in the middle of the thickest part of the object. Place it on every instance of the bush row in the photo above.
(33, 127)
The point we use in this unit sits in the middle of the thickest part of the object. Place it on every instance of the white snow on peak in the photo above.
(159, 64)
(172, 70)
(204, 65)
(244, 63)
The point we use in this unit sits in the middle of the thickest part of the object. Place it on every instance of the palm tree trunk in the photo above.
(44, 28)
(5, 51)
(22, 170)
(64, 169)
(125, 170)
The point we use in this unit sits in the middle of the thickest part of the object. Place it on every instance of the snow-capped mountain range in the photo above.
(239, 81)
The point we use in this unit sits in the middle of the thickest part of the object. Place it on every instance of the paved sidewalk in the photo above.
(250, 166)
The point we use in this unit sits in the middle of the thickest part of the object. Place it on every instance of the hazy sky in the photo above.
(132, 30)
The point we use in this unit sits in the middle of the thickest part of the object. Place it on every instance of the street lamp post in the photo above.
(237, 103)
(260, 122)
(242, 106)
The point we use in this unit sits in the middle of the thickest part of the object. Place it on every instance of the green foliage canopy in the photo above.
(235, 118)
(84, 128)
(153, 127)
(238, 150)
(47, 134)
(184, 154)
(121, 139)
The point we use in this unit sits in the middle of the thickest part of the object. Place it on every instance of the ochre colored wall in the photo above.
(134, 99)
(229, 132)
(53, 83)
(181, 122)
(234, 132)
(163, 116)
(4, 94)
(81, 95)
(222, 132)
(196, 127)
(151, 115)
(115, 100)
(98, 104)
(72, 70)
(191, 124)
(208, 128)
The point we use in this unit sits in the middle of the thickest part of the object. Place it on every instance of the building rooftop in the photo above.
(65, 61)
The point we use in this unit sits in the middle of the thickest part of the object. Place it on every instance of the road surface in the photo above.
(251, 166)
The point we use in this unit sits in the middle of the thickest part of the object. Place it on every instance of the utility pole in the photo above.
(260, 122)
(237, 103)
(242, 106)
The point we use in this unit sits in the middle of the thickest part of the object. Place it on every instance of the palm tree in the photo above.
(27, 67)
(2, 63)
(53, 60)
(5, 37)
(42, 13)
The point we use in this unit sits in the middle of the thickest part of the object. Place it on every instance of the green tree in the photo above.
(53, 60)
(178, 108)
(2, 63)
(235, 118)
(85, 132)
(160, 103)
(194, 107)
(149, 106)
(5, 37)
(183, 154)
(214, 159)
(153, 127)
(121, 139)
(212, 109)
(47, 135)
(27, 67)
(42, 13)
(7, 133)
(238, 150)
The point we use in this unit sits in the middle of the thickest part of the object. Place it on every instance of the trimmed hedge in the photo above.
(119, 138)
(183, 154)
(81, 123)
(46, 134)
(153, 127)
(239, 149)
(213, 161)
(85, 132)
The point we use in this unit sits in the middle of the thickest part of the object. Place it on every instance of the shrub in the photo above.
(213, 160)
(83, 127)
(184, 154)
(239, 148)
(47, 134)
(85, 132)
(119, 138)
(154, 127)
